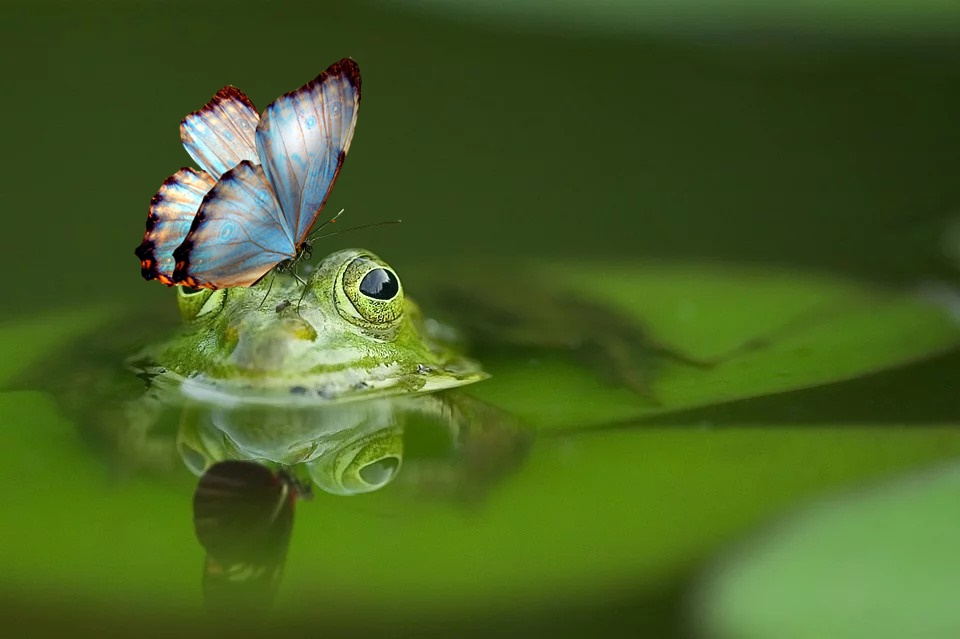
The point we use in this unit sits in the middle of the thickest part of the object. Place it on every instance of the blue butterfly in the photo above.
(263, 183)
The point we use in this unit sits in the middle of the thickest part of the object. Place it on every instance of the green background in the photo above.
(804, 142)
(792, 137)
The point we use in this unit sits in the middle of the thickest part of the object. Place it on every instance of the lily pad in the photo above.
(768, 331)
(873, 563)
(588, 515)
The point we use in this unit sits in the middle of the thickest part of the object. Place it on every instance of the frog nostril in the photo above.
(300, 329)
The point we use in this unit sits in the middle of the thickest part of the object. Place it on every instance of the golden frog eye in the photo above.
(370, 295)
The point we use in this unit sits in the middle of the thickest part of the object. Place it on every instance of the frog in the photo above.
(344, 333)
(334, 361)
(321, 372)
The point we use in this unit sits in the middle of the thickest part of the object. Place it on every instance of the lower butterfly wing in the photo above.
(303, 139)
(241, 509)
(172, 211)
(221, 135)
(243, 516)
(237, 235)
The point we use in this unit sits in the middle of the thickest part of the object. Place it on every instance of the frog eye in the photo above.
(198, 302)
(370, 295)
(380, 284)
(360, 466)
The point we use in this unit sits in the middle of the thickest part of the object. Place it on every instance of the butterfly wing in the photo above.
(303, 139)
(222, 134)
(237, 236)
(243, 517)
(172, 211)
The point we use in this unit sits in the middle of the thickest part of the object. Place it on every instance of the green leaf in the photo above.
(587, 515)
(812, 330)
(873, 563)
(24, 342)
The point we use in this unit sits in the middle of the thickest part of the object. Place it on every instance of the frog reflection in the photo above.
(243, 511)
(359, 447)
(346, 449)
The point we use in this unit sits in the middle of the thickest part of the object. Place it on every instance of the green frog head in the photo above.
(347, 332)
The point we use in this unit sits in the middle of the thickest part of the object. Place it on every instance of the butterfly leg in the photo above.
(269, 288)
(304, 292)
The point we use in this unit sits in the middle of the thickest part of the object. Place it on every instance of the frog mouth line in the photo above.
(318, 391)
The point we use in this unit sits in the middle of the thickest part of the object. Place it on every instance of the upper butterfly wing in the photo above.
(222, 134)
(237, 236)
(172, 210)
(303, 139)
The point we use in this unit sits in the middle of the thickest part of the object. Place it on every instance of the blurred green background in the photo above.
(814, 135)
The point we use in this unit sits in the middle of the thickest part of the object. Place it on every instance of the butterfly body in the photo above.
(263, 184)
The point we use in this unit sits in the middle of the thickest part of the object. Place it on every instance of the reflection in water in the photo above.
(243, 517)
(447, 445)
(346, 449)
(444, 446)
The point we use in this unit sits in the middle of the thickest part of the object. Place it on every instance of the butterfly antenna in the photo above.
(330, 221)
(356, 228)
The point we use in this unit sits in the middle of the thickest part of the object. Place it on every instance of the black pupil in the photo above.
(380, 284)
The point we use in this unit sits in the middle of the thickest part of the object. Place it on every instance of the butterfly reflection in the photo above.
(243, 517)
(263, 183)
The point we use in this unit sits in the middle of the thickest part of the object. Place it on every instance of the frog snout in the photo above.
(269, 348)
(283, 331)
(299, 328)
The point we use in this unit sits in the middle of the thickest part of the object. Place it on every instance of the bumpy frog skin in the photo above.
(348, 334)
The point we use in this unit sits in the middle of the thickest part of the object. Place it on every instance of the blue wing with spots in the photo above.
(238, 234)
(264, 184)
(303, 139)
(172, 211)
(222, 134)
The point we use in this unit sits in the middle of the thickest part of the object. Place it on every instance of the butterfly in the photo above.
(243, 517)
(262, 185)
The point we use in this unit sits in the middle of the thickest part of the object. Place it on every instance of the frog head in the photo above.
(346, 332)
